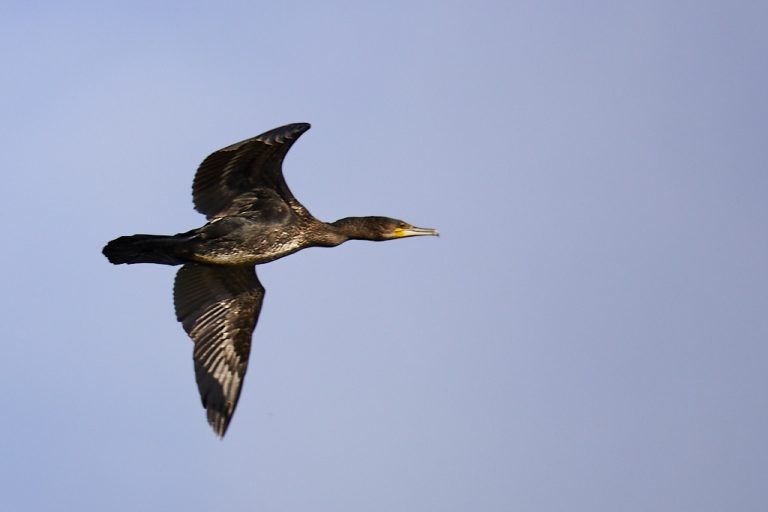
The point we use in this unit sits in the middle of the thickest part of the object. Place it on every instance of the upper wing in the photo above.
(219, 307)
(244, 166)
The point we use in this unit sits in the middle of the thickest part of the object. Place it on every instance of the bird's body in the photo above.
(242, 239)
(253, 218)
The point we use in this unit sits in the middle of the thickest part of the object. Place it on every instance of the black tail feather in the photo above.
(144, 249)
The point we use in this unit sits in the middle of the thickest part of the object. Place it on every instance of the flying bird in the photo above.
(253, 218)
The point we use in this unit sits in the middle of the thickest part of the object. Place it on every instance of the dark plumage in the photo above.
(253, 218)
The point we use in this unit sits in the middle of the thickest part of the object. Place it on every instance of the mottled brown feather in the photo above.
(244, 166)
(219, 307)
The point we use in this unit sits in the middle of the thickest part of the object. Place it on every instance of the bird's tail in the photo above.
(144, 249)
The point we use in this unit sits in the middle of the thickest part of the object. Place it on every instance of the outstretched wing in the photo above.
(219, 307)
(244, 166)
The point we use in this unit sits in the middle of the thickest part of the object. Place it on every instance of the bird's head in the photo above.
(380, 228)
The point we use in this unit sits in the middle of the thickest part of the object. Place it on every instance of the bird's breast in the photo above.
(250, 246)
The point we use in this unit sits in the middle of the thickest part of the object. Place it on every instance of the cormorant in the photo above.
(253, 218)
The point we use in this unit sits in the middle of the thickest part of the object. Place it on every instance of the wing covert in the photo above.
(244, 166)
(219, 308)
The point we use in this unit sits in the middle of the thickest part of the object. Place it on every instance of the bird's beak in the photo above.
(412, 231)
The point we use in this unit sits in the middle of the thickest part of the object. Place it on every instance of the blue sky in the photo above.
(588, 333)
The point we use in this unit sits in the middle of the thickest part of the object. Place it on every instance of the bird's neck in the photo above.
(348, 228)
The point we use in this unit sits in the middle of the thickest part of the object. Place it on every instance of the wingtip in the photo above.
(297, 128)
(280, 134)
(219, 423)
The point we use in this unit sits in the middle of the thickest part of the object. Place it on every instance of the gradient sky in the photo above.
(589, 333)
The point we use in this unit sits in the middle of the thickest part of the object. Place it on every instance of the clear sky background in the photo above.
(590, 332)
